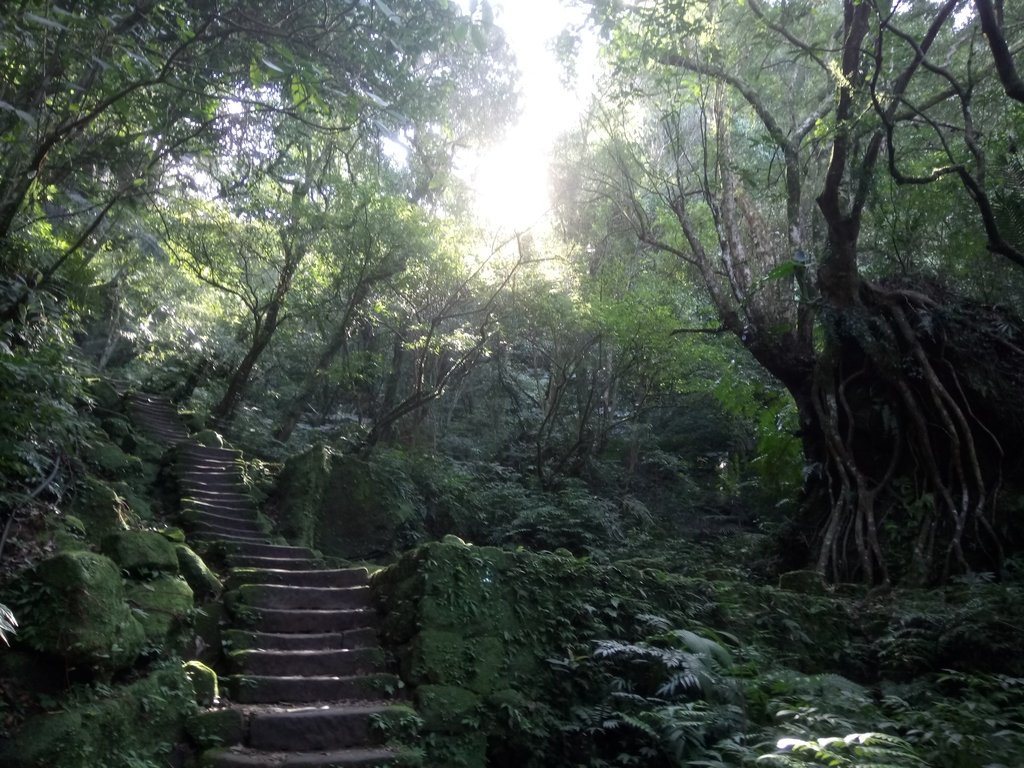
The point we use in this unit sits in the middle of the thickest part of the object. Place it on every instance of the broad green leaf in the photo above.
(45, 22)
(25, 116)
(783, 270)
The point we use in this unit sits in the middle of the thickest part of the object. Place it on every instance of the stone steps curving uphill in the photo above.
(304, 668)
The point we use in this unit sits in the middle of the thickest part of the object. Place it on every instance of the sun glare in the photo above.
(510, 179)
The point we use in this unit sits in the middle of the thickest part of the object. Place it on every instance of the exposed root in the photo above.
(934, 478)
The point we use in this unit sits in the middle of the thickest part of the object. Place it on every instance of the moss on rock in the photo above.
(448, 708)
(77, 610)
(346, 506)
(137, 724)
(204, 683)
(141, 552)
(216, 728)
(112, 462)
(98, 506)
(209, 438)
(164, 604)
(197, 573)
(449, 658)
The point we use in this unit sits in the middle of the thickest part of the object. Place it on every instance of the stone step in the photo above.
(311, 730)
(239, 757)
(337, 577)
(210, 477)
(342, 663)
(270, 550)
(272, 563)
(307, 620)
(292, 597)
(194, 450)
(234, 498)
(220, 485)
(238, 639)
(229, 535)
(239, 524)
(220, 507)
(252, 689)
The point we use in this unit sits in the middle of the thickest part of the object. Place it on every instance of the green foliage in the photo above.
(8, 623)
(866, 750)
(130, 726)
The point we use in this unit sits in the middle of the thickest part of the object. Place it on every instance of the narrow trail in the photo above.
(303, 664)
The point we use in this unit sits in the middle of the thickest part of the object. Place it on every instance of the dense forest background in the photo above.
(772, 323)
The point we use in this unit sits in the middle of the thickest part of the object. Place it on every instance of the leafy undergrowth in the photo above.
(557, 661)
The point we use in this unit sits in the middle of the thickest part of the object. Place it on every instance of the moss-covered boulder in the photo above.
(118, 427)
(204, 683)
(141, 552)
(76, 609)
(148, 451)
(133, 725)
(448, 708)
(477, 663)
(103, 395)
(163, 604)
(210, 438)
(347, 506)
(217, 728)
(100, 508)
(197, 573)
(112, 462)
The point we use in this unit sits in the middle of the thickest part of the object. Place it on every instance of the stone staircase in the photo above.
(303, 666)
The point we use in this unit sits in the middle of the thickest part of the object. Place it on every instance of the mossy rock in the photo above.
(399, 724)
(137, 502)
(346, 506)
(197, 573)
(174, 535)
(448, 708)
(136, 724)
(111, 461)
(118, 427)
(148, 451)
(449, 658)
(209, 438)
(103, 395)
(204, 683)
(164, 603)
(206, 627)
(141, 552)
(101, 509)
(216, 728)
(78, 611)
(464, 750)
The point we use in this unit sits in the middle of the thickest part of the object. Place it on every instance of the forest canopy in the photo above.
(785, 251)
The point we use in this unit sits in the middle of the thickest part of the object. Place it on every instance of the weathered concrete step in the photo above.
(343, 663)
(310, 730)
(210, 476)
(228, 518)
(335, 577)
(241, 524)
(307, 620)
(210, 452)
(240, 639)
(229, 536)
(216, 482)
(238, 757)
(235, 561)
(219, 507)
(292, 597)
(217, 497)
(253, 689)
(270, 550)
